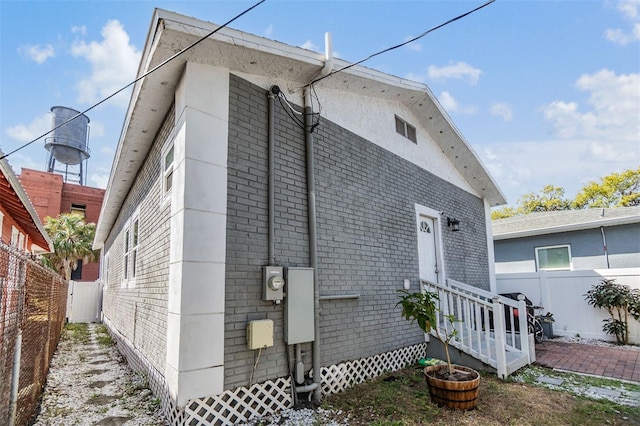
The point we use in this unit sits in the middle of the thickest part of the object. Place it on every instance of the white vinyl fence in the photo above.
(84, 301)
(562, 294)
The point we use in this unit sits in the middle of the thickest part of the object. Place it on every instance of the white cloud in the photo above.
(26, 133)
(19, 160)
(97, 129)
(523, 167)
(99, 180)
(37, 53)
(447, 101)
(612, 113)
(79, 29)
(310, 46)
(630, 10)
(459, 71)
(502, 109)
(450, 104)
(114, 62)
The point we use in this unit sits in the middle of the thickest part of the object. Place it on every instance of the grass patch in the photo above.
(78, 332)
(103, 337)
(402, 399)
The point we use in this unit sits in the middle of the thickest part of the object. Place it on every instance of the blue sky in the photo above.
(546, 92)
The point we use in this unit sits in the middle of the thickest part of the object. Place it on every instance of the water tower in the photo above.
(68, 144)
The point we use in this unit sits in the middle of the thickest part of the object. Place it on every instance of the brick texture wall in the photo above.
(367, 242)
(50, 196)
(140, 312)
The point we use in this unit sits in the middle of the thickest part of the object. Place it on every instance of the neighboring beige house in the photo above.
(221, 194)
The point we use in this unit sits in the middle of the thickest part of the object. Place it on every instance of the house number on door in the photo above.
(424, 227)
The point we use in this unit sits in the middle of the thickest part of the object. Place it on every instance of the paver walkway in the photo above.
(612, 362)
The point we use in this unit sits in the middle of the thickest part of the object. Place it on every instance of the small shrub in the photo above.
(620, 301)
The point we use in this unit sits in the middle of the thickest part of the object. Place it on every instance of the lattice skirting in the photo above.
(242, 404)
(339, 377)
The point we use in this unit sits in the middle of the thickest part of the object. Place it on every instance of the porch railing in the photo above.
(485, 323)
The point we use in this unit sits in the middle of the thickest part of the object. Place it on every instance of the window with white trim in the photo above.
(406, 129)
(167, 169)
(554, 258)
(17, 238)
(130, 260)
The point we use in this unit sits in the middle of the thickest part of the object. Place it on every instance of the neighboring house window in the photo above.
(131, 238)
(406, 129)
(79, 210)
(17, 238)
(167, 169)
(553, 258)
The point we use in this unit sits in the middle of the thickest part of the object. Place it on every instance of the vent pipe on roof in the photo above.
(328, 55)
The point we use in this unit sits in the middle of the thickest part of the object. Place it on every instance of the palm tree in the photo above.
(72, 241)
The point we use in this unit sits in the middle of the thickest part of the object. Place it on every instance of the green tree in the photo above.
(613, 190)
(72, 241)
(503, 213)
(549, 198)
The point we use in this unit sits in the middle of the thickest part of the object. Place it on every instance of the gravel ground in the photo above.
(89, 383)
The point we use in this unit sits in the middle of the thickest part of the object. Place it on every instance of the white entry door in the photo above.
(427, 248)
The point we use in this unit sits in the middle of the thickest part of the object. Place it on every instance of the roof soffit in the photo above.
(246, 53)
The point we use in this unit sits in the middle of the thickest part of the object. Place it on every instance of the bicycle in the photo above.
(534, 324)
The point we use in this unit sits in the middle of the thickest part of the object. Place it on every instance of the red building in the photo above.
(50, 196)
(20, 225)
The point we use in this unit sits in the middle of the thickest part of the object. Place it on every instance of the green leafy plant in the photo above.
(620, 301)
(423, 308)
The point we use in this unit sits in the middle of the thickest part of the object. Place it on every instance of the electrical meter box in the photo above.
(260, 334)
(273, 283)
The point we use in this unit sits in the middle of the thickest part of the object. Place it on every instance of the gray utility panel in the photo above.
(299, 306)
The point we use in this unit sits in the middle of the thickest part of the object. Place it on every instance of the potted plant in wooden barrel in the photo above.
(453, 386)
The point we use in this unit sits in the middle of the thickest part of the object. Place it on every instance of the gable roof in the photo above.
(17, 204)
(241, 52)
(562, 221)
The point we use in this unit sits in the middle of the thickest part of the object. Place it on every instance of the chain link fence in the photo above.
(33, 301)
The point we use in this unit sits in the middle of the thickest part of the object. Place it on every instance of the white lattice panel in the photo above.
(337, 378)
(241, 404)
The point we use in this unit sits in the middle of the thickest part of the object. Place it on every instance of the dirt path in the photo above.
(89, 383)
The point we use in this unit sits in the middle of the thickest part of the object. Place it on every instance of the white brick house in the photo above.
(190, 219)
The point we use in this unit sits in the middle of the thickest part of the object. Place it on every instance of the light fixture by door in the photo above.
(453, 224)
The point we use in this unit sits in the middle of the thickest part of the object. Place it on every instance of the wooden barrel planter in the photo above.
(462, 395)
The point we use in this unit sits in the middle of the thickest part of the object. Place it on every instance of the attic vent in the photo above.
(406, 129)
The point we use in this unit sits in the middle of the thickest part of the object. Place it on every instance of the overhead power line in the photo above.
(401, 44)
(160, 65)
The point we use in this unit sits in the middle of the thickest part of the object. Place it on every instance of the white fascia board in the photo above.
(606, 222)
(123, 171)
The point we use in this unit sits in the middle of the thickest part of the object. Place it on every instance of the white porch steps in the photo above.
(480, 330)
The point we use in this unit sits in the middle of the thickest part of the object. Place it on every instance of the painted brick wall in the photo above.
(140, 313)
(367, 235)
